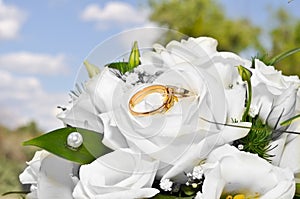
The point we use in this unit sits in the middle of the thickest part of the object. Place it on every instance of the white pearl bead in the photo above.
(74, 140)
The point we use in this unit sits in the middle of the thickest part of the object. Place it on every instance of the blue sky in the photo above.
(43, 43)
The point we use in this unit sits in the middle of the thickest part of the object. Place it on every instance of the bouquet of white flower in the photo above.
(181, 121)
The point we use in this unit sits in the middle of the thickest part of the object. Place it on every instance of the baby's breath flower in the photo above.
(138, 70)
(166, 184)
(197, 172)
(132, 78)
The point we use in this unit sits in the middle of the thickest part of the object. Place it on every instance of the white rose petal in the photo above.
(112, 135)
(82, 114)
(119, 174)
(198, 152)
(104, 90)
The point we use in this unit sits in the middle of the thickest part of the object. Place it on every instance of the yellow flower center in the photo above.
(242, 196)
(238, 196)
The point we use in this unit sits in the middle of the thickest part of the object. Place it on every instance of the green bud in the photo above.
(91, 69)
(194, 185)
(244, 73)
(134, 58)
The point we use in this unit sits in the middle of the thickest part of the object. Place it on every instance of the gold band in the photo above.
(170, 93)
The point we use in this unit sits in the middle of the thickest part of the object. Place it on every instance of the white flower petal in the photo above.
(30, 174)
(235, 99)
(229, 170)
(198, 152)
(273, 93)
(202, 44)
(277, 147)
(82, 114)
(119, 174)
(104, 90)
(51, 175)
(291, 156)
(130, 194)
(55, 179)
(112, 135)
(28, 177)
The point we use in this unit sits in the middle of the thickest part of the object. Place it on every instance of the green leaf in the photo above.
(56, 142)
(289, 121)
(91, 69)
(121, 66)
(134, 58)
(164, 196)
(281, 56)
(133, 61)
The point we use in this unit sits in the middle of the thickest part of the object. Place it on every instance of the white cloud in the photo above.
(114, 13)
(33, 63)
(22, 88)
(23, 99)
(11, 21)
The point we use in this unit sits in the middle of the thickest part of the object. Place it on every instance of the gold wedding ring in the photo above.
(170, 93)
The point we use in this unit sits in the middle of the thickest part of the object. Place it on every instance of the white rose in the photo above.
(119, 174)
(50, 176)
(166, 136)
(229, 171)
(274, 94)
(170, 136)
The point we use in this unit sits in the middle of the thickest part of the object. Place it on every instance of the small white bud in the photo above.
(240, 147)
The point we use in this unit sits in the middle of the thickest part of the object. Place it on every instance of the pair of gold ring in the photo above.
(170, 93)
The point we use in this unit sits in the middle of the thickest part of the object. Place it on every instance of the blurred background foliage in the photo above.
(196, 18)
(206, 18)
(13, 155)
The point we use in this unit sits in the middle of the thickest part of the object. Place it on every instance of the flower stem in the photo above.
(246, 112)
